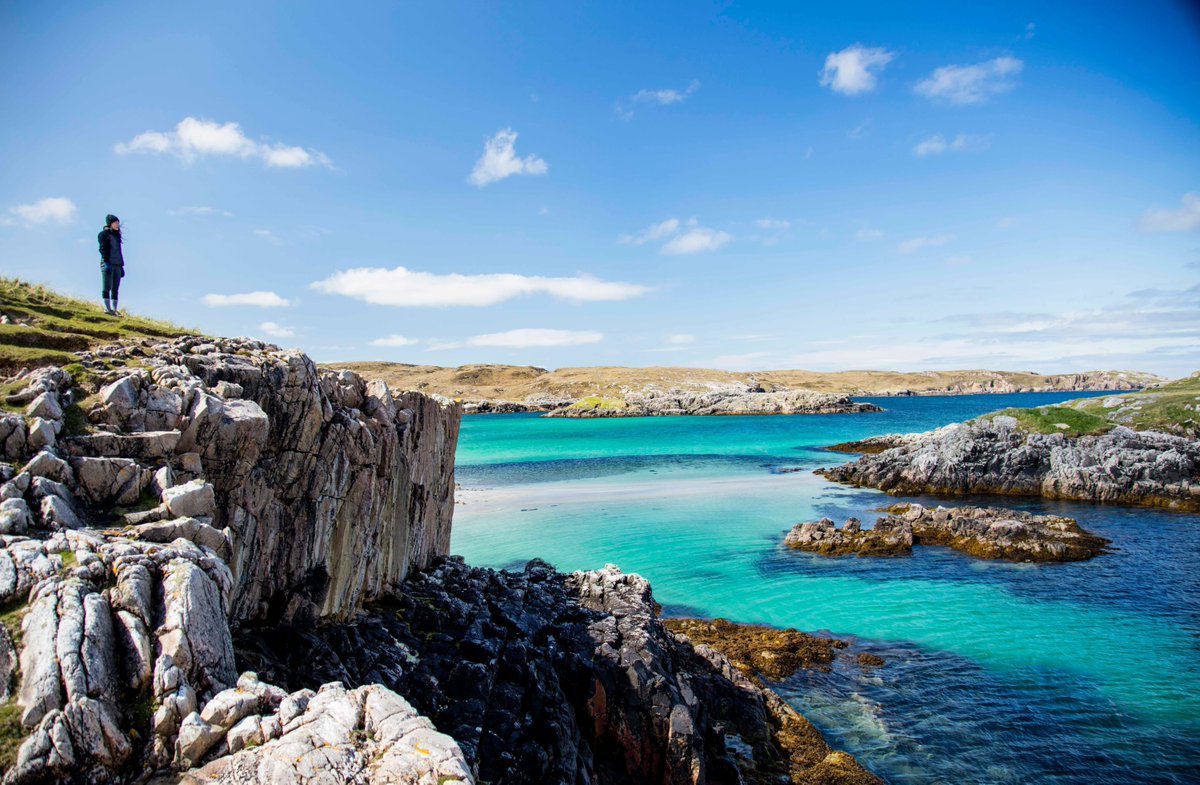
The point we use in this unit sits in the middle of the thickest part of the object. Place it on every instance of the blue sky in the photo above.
(748, 186)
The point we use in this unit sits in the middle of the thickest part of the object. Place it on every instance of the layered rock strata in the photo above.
(982, 532)
(996, 456)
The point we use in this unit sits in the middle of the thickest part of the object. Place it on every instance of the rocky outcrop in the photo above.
(544, 677)
(996, 456)
(217, 482)
(329, 487)
(722, 402)
(873, 445)
(982, 532)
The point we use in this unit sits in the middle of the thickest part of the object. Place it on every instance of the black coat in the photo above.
(110, 247)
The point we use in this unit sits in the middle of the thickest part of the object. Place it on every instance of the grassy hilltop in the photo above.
(45, 327)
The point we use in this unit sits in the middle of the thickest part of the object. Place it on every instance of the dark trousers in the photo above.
(110, 280)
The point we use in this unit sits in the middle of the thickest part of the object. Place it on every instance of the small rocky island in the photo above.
(1141, 449)
(982, 532)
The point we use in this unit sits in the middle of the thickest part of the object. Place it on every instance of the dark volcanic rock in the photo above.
(983, 532)
(544, 677)
(996, 456)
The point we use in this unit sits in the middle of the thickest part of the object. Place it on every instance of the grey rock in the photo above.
(190, 500)
(15, 517)
(42, 434)
(45, 406)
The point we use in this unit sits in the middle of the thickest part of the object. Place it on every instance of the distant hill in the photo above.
(541, 388)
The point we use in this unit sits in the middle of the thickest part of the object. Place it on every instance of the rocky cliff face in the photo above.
(203, 485)
(996, 456)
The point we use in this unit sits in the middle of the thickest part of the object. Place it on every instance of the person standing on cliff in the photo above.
(112, 263)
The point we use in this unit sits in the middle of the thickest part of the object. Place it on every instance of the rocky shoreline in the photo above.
(714, 403)
(219, 564)
(996, 456)
(982, 532)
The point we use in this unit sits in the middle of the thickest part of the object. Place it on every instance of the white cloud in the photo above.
(402, 287)
(53, 209)
(200, 211)
(680, 339)
(684, 238)
(194, 138)
(1185, 219)
(970, 84)
(499, 160)
(772, 223)
(696, 239)
(917, 243)
(276, 330)
(527, 338)
(394, 340)
(257, 299)
(666, 97)
(652, 232)
(867, 234)
(938, 144)
(1030, 30)
(269, 236)
(853, 70)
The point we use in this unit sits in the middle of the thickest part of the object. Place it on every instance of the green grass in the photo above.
(49, 326)
(11, 734)
(1172, 407)
(597, 402)
(1057, 419)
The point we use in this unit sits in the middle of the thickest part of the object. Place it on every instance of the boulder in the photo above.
(190, 500)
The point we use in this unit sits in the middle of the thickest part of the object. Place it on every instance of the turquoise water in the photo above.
(996, 673)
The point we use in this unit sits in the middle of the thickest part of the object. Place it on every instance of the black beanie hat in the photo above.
(108, 219)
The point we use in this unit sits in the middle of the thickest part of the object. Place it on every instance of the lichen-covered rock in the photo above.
(369, 735)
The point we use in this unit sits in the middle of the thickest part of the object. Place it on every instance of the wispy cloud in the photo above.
(866, 234)
(860, 130)
(195, 138)
(1030, 31)
(200, 211)
(917, 243)
(680, 339)
(261, 299)
(51, 210)
(1185, 219)
(660, 97)
(525, 338)
(854, 70)
(269, 236)
(394, 340)
(402, 287)
(938, 144)
(276, 330)
(773, 223)
(681, 237)
(499, 160)
(652, 232)
(971, 84)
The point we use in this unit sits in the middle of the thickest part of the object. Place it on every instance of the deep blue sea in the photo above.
(996, 673)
